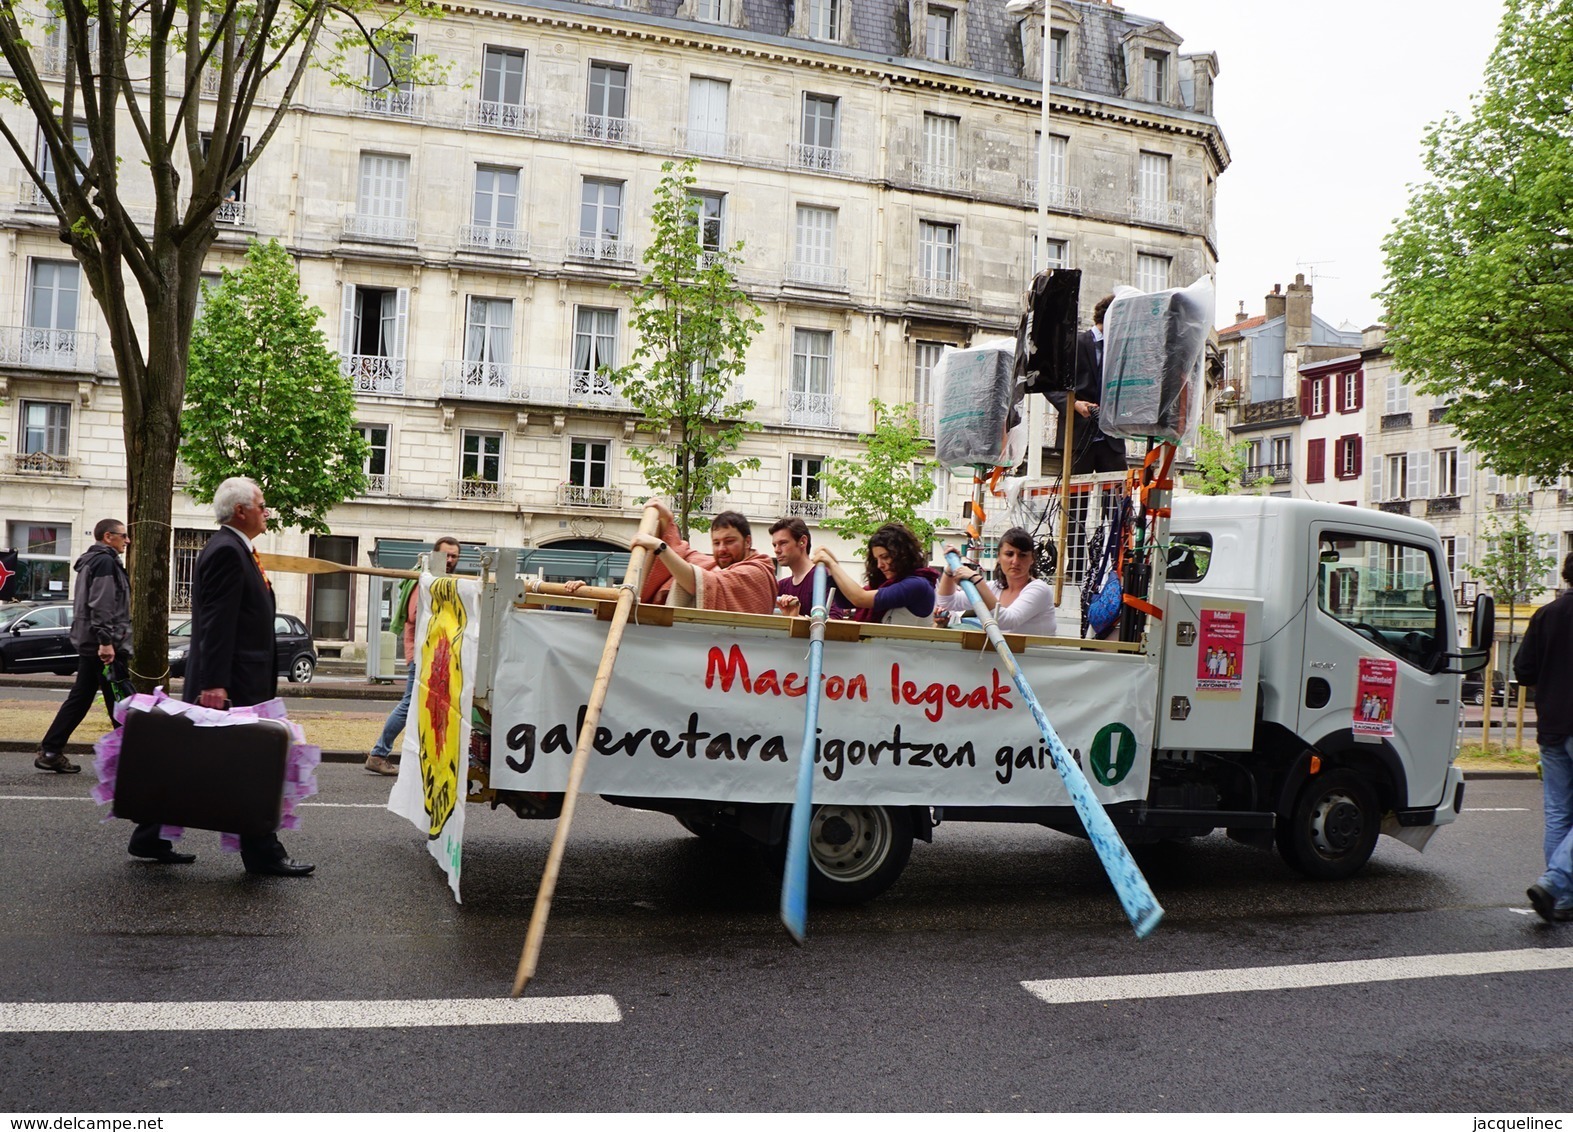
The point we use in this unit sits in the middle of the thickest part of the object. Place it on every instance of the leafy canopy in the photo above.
(1479, 287)
(1513, 567)
(1220, 465)
(891, 481)
(265, 397)
(694, 325)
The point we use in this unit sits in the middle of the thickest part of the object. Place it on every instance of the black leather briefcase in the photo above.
(224, 778)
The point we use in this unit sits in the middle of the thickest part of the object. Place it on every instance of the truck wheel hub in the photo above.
(1337, 824)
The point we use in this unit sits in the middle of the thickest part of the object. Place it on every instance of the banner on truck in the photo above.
(435, 759)
(713, 713)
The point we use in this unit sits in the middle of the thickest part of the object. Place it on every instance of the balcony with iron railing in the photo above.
(1166, 213)
(30, 196)
(599, 249)
(817, 275)
(43, 348)
(240, 213)
(580, 495)
(1438, 414)
(409, 105)
(939, 290)
(40, 464)
(1065, 198)
(812, 410)
(601, 128)
(374, 373)
(480, 490)
(820, 158)
(1270, 412)
(484, 238)
(945, 178)
(379, 229)
(706, 143)
(925, 418)
(483, 381)
(505, 117)
(1443, 505)
(380, 484)
(1394, 506)
(793, 507)
(1394, 421)
(1277, 473)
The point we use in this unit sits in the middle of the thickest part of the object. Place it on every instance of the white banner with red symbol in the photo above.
(435, 759)
(717, 713)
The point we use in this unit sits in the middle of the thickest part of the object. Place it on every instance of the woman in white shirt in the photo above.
(1021, 603)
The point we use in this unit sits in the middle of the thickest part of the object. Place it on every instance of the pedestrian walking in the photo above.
(232, 661)
(101, 634)
(1545, 663)
(382, 760)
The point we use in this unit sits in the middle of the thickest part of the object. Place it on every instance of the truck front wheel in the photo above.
(1333, 828)
(854, 852)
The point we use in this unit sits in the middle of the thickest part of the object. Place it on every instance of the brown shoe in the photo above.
(57, 763)
(379, 765)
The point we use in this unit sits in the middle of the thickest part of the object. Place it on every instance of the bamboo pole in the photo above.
(1065, 497)
(627, 598)
(794, 879)
(294, 564)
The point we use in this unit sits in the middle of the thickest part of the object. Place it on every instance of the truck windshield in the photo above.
(1385, 591)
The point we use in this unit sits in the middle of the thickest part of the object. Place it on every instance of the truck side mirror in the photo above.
(1483, 622)
(1428, 595)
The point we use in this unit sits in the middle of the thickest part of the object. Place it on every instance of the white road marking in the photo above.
(44, 798)
(83, 1017)
(1176, 984)
(1496, 809)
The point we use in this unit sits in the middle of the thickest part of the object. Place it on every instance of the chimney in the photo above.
(1297, 320)
(1275, 301)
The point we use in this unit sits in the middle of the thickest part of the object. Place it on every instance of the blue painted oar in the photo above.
(794, 884)
(1140, 904)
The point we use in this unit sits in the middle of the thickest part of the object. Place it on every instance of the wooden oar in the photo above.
(627, 597)
(293, 564)
(794, 884)
(1135, 894)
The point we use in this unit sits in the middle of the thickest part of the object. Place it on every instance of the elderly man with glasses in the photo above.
(101, 632)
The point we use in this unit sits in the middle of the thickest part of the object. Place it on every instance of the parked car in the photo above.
(1475, 689)
(36, 637)
(294, 650)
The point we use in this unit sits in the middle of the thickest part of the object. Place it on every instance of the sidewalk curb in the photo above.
(85, 750)
(390, 693)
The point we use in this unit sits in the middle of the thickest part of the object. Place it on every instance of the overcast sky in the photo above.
(1324, 106)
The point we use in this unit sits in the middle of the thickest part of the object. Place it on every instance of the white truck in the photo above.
(1301, 689)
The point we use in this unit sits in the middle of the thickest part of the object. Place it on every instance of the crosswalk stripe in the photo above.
(1174, 984)
(85, 1017)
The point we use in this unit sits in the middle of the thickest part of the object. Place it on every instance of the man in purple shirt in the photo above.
(791, 542)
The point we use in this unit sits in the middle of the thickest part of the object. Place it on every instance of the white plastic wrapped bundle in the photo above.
(1155, 345)
(975, 417)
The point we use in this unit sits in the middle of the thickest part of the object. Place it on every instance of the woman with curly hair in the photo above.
(900, 584)
(1021, 602)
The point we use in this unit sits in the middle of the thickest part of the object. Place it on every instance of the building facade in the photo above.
(472, 244)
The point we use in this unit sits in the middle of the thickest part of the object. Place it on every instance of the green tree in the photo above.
(694, 325)
(265, 399)
(890, 482)
(1479, 289)
(142, 114)
(1220, 465)
(1512, 568)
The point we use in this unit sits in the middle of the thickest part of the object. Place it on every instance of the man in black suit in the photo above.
(231, 660)
(1092, 451)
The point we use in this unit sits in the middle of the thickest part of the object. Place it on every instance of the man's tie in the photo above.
(257, 558)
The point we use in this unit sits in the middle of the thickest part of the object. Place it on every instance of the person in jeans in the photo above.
(101, 633)
(382, 760)
(1545, 663)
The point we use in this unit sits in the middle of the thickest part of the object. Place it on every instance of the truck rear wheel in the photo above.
(1333, 828)
(854, 852)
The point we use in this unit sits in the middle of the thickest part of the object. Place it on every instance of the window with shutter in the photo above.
(1315, 461)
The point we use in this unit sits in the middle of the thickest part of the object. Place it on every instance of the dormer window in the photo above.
(1059, 55)
(941, 40)
(1155, 75)
(824, 19)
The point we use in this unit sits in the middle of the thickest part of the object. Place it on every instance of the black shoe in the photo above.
(56, 762)
(283, 867)
(165, 857)
(1545, 904)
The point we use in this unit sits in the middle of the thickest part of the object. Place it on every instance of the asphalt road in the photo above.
(912, 1003)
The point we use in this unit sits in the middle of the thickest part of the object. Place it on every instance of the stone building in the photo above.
(469, 242)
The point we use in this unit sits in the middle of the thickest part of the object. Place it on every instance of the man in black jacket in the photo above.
(101, 632)
(1092, 451)
(231, 661)
(1545, 663)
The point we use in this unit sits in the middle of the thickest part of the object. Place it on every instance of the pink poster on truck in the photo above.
(1220, 655)
(1374, 692)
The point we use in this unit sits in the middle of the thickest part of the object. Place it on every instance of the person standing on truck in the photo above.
(382, 760)
(101, 632)
(1092, 451)
(1545, 663)
(1021, 602)
(733, 576)
(790, 539)
(900, 588)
